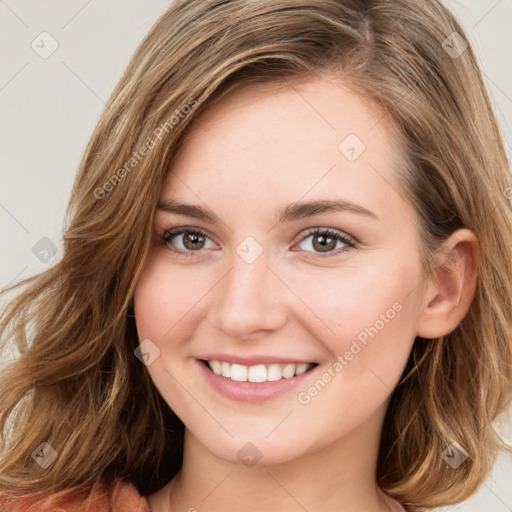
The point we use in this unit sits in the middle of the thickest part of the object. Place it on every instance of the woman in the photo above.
(286, 280)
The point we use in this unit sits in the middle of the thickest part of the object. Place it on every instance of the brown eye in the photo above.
(324, 243)
(193, 240)
(185, 240)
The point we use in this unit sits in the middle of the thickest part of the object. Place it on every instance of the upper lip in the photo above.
(253, 360)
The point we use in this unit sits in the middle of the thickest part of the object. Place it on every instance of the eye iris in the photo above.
(323, 247)
(190, 239)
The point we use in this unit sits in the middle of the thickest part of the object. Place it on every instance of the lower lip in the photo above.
(251, 391)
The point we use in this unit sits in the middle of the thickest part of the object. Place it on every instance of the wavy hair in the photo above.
(77, 384)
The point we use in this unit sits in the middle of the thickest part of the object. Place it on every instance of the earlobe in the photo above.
(451, 287)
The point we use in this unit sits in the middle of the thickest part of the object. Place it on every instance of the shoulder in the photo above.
(124, 497)
(103, 496)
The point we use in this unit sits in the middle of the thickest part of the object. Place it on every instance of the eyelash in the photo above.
(349, 242)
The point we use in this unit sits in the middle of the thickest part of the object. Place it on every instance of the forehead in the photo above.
(314, 139)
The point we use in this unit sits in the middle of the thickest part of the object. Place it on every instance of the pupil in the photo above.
(193, 238)
(322, 240)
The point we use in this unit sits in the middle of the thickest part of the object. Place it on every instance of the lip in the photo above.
(251, 391)
(253, 360)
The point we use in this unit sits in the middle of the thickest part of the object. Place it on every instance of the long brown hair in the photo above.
(77, 384)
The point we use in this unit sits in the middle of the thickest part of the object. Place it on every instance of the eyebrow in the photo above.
(294, 211)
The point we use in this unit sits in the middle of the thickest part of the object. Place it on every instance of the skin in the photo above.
(247, 157)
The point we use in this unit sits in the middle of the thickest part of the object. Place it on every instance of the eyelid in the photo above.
(174, 232)
(312, 231)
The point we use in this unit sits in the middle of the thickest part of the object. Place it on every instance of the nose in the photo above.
(250, 298)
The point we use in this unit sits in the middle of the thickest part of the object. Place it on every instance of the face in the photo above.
(269, 286)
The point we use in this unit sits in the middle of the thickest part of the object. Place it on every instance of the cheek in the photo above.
(161, 298)
(151, 302)
(366, 312)
(368, 327)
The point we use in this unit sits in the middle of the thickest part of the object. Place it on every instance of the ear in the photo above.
(451, 287)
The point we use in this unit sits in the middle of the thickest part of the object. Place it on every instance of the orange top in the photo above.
(117, 496)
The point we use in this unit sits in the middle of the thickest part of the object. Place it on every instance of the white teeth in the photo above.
(225, 369)
(288, 371)
(216, 367)
(238, 372)
(301, 368)
(274, 372)
(258, 372)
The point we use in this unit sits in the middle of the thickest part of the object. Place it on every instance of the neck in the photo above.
(342, 475)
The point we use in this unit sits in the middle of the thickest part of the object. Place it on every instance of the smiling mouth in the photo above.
(259, 372)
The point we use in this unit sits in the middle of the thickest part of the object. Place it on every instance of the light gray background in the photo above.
(49, 107)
